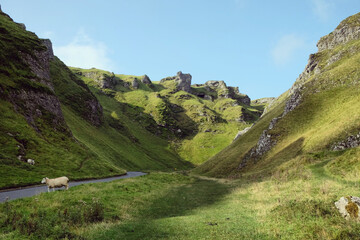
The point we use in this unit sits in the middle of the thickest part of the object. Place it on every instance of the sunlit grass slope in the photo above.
(197, 128)
(329, 112)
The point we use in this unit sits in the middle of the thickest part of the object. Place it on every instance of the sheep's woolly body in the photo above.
(56, 182)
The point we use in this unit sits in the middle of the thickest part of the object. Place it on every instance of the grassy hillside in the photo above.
(50, 115)
(328, 112)
(197, 127)
(26, 133)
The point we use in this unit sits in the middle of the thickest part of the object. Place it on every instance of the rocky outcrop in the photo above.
(265, 143)
(263, 100)
(146, 79)
(34, 104)
(348, 30)
(103, 80)
(47, 43)
(135, 83)
(293, 102)
(183, 82)
(242, 132)
(39, 63)
(349, 207)
(216, 84)
(224, 91)
(350, 142)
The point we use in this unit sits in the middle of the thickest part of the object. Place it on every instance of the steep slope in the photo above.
(32, 122)
(49, 115)
(318, 115)
(199, 120)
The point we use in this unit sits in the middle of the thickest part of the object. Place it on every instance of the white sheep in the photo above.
(56, 183)
(31, 161)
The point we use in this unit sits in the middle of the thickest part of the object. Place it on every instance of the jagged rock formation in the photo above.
(135, 83)
(36, 104)
(146, 79)
(347, 30)
(104, 80)
(350, 142)
(263, 100)
(183, 82)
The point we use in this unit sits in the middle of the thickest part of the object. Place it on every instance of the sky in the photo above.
(260, 46)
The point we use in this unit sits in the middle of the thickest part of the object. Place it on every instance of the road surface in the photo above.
(31, 191)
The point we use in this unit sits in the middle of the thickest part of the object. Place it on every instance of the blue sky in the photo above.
(260, 46)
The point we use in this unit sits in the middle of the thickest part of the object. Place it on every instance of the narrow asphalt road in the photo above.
(31, 191)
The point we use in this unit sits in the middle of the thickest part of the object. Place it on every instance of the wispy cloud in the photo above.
(322, 8)
(84, 52)
(286, 48)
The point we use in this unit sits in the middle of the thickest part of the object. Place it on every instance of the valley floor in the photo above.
(181, 206)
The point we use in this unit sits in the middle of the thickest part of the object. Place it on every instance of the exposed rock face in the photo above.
(350, 142)
(242, 132)
(146, 79)
(227, 92)
(135, 84)
(293, 102)
(183, 82)
(47, 43)
(40, 64)
(348, 30)
(22, 26)
(104, 80)
(216, 84)
(36, 104)
(273, 122)
(95, 112)
(263, 100)
(265, 143)
(349, 207)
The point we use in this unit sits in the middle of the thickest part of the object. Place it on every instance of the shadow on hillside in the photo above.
(177, 202)
(264, 169)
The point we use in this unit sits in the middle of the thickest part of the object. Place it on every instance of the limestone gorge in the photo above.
(220, 165)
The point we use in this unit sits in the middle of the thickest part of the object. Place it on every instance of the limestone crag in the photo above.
(103, 80)
(39, 104)
(183, 82)
(348, 30)
(265, 143)
(263, 100)
(242, 132)
(39, 63)
(350, 142)
(216, 84)
(135, 83)
(224, 91)
(146, 79)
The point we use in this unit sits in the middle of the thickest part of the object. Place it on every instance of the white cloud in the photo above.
(286, 47)
(322, 8)
(84, 52)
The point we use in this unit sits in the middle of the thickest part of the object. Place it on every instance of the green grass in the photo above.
(121, 141)
(329, 112)
(179, 117)
(178, 206)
